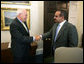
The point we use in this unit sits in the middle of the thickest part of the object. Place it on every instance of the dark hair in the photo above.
(63, 13)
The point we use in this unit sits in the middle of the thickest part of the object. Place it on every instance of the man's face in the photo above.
(57, 17)
(24, 15)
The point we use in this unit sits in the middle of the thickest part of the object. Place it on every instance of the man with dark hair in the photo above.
(63, 33)
(63, 13)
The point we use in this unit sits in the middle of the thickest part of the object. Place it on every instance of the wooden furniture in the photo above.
(6, 54)
(33, 48)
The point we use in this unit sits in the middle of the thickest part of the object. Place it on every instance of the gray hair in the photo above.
(19, 11)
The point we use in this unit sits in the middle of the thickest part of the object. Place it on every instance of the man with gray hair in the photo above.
(20, 38)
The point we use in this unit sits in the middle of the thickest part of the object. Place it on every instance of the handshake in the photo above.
(38, 37)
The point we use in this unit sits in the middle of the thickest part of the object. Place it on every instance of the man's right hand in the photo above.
(37, 37)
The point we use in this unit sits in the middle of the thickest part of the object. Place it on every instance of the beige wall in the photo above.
(76, 17)
(80, 21)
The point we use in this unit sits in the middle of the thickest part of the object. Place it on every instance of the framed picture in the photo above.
(8, 15)
(16, 2)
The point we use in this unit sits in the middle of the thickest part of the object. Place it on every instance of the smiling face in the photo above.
(57, 17)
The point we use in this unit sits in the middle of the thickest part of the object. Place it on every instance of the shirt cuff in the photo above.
(33, 38)
(41, 36)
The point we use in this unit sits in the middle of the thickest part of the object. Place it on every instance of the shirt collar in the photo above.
(19, 19)
(62, 22)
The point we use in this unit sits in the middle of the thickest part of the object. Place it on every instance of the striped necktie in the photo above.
(25, 26)
(56, 32)
(56, 36)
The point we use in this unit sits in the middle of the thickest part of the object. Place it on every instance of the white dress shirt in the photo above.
(61, 24)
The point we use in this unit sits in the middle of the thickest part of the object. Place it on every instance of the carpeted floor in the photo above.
(39, 58)
(49, 60)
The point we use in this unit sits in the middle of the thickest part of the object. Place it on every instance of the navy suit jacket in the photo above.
(20, 39)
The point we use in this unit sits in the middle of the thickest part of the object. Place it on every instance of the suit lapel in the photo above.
(61, 30)
(26, 26)
(20, 24)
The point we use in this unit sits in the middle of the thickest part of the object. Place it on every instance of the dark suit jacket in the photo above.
(20, 39)
(67, 36)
